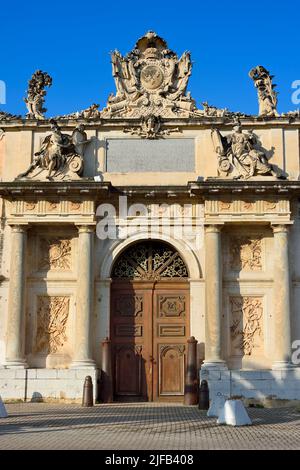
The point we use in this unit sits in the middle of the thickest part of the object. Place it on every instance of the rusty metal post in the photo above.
(203, 396)
(191, 376)
(87, 397)
(106, 391)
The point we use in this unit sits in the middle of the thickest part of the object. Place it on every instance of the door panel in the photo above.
(130, 316)
(171, 329)
(149, 330)
(171, 376)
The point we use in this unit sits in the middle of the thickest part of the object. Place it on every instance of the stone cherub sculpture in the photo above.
(267, 96)
(240, 156)
(57, 157)
(36, 94)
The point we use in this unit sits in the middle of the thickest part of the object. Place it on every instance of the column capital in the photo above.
(20, 228)
(280, 228)
(213, 228)
(86, 228)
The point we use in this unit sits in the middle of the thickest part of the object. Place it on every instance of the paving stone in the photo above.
(142, 426)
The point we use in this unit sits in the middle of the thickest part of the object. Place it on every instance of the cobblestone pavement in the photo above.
(145, 426)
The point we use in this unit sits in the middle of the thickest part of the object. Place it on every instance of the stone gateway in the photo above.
(126, 230)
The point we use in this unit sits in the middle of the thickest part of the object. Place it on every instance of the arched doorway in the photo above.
(149, 322)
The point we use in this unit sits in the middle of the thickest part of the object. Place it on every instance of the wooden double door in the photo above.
(149, 331)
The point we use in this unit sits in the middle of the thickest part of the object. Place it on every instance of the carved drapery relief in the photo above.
(246, 325)
(55, 253)
(245, 253)
(52, 317)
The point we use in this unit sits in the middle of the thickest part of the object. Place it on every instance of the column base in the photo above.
(218, 364)
(282, 365)
(83, 364)
(16, 364)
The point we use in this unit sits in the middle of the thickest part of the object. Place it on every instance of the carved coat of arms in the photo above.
(150, 80)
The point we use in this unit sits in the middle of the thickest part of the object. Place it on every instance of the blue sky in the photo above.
(72, 41)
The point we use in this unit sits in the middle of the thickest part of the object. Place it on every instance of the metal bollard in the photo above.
(87, 397)
(191, 377)
(203, 396)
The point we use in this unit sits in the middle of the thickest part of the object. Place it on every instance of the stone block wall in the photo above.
(43, 384)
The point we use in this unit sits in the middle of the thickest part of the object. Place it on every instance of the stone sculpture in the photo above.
(8, 117)
(267, 96)
(91, 113)
(240, 155)
(36, 94)
(80, 139)
(150, 80)
(56, 159)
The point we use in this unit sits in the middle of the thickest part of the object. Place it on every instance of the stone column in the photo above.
(281, 307)
(84, 300)
(213, 297)
(15, 334)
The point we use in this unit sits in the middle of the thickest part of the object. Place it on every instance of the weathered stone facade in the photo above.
(234, 177)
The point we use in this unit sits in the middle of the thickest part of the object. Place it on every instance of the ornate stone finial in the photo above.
(150, 80)
(267, 96)
(57, 158)
(241, 155)
(36, 93)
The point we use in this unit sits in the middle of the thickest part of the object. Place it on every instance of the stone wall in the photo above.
(39, 384)
(256, 384)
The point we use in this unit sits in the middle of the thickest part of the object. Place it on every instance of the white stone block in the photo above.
(216, 405)
(235, 375)
(234, 413)
(20, 374)
(7, 373)
(214, 375)
(254, 394)
(46, 373)
(251, 375)
(69, 374)
(3, 412)
(82, 373)
(31, 373)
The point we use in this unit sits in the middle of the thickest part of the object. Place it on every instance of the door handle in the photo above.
(151, 359)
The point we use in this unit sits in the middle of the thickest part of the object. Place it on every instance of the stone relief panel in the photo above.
(245, 253)
(55, 254)
(246, 325)
(52, 317)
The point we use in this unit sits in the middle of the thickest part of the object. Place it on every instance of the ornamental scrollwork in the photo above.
(150, 261)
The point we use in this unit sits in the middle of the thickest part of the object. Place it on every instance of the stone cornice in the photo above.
(39, 189)
(201, 122)
(88, 188)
